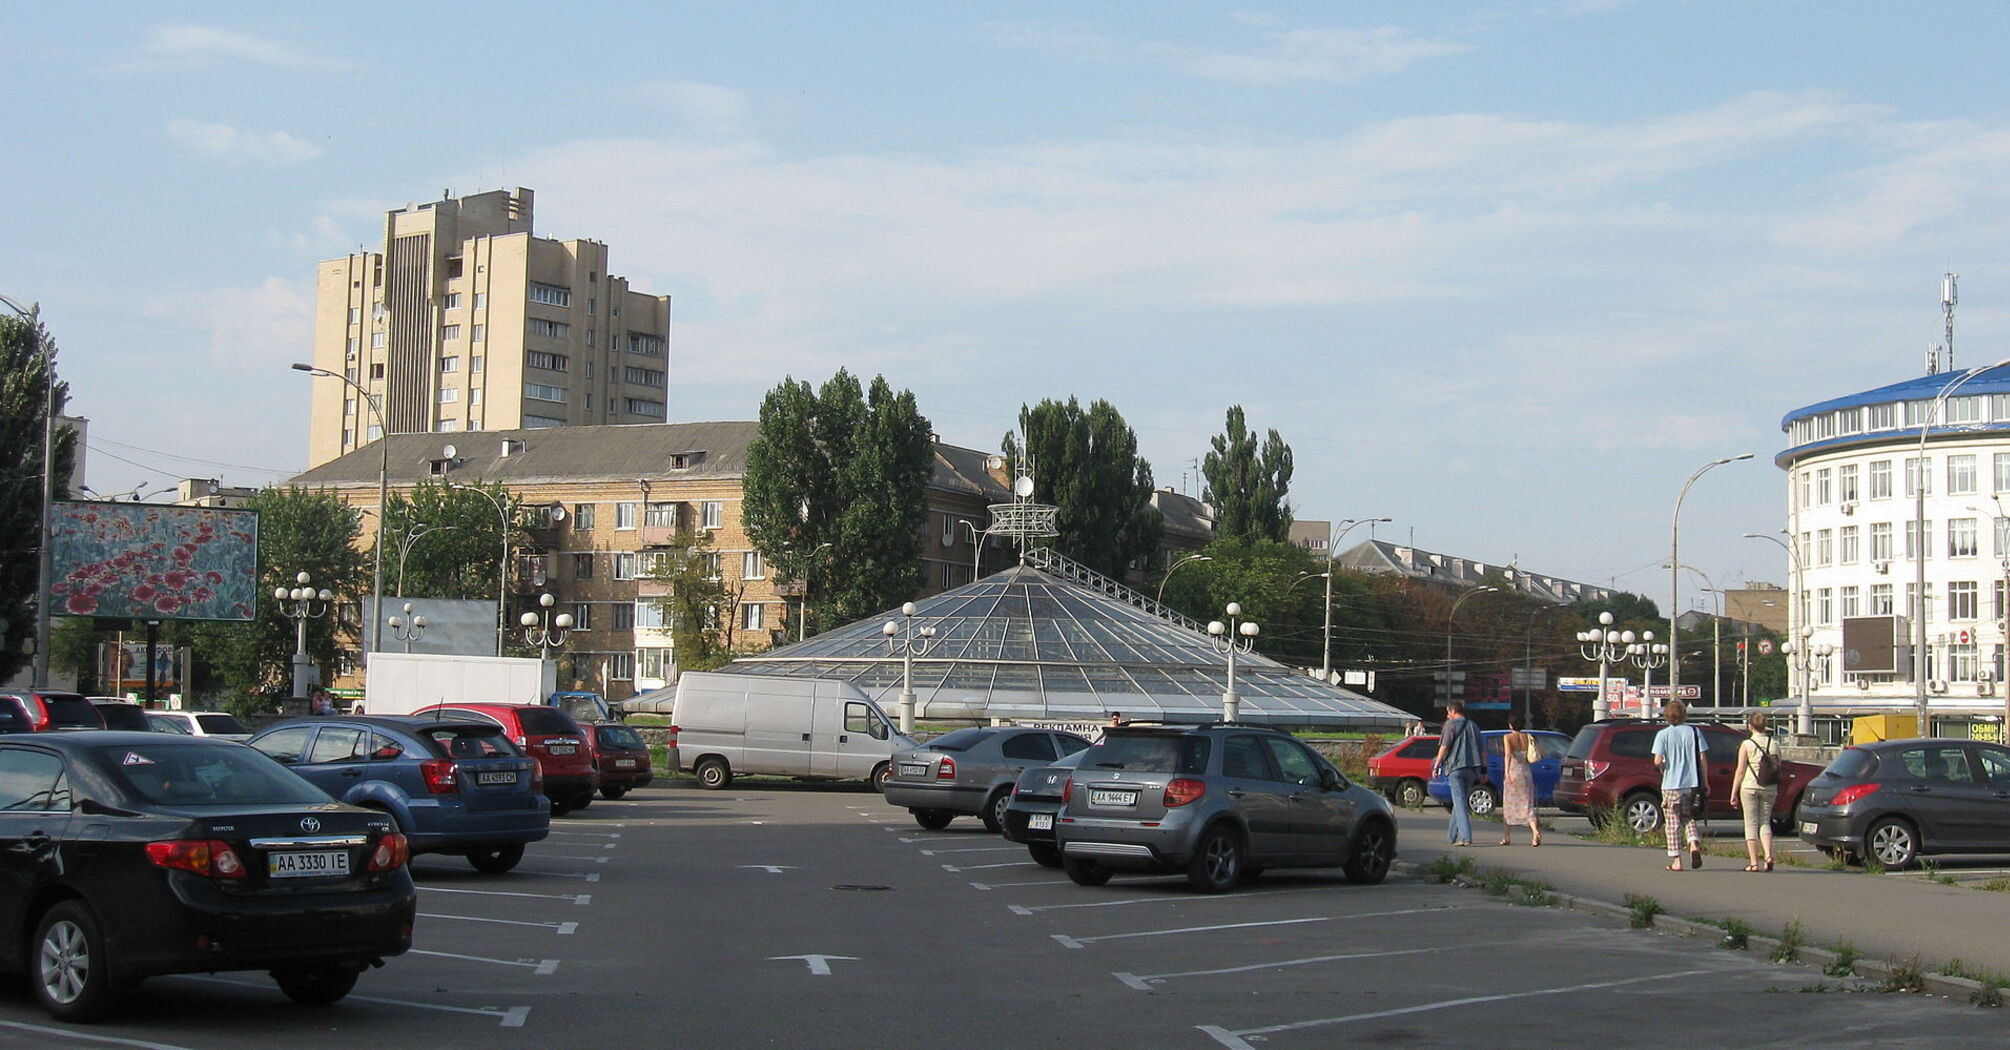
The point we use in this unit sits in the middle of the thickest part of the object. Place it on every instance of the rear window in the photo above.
(1423, 748)
(1633, 743)
(222, 775)
(124, 716)
(546, 721)
(960, 740)
(73, 711)
(1583, 742)
(220, 724)
(470, 742)
(1853, 764)
(620, 736)
(1150, 754)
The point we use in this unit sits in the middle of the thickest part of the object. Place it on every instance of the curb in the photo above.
(1807, 956)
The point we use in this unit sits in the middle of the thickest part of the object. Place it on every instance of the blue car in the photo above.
(1486, 795)
(456, 787)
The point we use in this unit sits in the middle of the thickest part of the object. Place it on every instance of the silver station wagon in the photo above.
(971, 772)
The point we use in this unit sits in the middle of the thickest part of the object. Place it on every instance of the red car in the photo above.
(620, 755)
(546, 734)
(1610, 772)
(1403, 773)
(48, 709)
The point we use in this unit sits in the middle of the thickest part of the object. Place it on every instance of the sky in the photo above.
(1504, 272)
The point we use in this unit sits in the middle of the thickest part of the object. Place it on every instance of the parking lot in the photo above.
(774, 914)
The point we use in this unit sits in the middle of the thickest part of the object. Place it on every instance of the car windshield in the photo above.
(218, 724)
(960, 740)
(470, 741)
(619, 736)
(546, 721)
(585, 708)
(1149, 754)
(223, 775)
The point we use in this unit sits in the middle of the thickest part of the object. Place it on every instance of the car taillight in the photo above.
(1852, 793)
(537, 777)
(1067, 791)
(947, 770)
(1183, 790)
(673, 736)
(1593, 770)
(439, 776)
(208, 857)
(391, 853)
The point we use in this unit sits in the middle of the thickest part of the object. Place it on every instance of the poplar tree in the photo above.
(1087, 464)
(1246, 485)
(27, 356)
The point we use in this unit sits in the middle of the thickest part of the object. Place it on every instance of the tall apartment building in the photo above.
(466, 320)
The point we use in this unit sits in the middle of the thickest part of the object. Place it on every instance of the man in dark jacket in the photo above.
(1462, 762)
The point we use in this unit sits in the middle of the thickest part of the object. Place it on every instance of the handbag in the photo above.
(1766, 771)
(1532, 754)
(1696, 801)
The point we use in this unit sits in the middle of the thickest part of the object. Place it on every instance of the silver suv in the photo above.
(1221, 803)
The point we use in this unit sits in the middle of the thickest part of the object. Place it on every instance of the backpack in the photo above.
(1766, 771)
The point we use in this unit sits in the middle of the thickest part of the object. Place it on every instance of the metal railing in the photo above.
(1048, 560)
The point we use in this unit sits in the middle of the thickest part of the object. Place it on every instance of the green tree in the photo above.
(1246, 485)
(836, 490)
(27, 355)
(1087, 464)
(697, 605)
(459, 549)
(298, 531)
(74, 646)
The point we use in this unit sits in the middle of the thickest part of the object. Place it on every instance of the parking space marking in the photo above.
(590, 876)
(589, 860)
(1010, 885)
(555, 833)
(510, 1016)
(1234, 1039)
(540, 967)
(108, 1040)
(576, 898)
(1000, 864)
(1020, 909)
(561, 928)
(971, 849)
(1142, 982)
(772, 869)
(1079, 942)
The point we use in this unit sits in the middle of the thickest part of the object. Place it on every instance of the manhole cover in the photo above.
(861, 889)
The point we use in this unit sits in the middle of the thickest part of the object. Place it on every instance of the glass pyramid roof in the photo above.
(1026, 644)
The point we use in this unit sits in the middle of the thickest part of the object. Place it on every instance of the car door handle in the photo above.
(32, 843)
(1920, 789)
(352, 772)
(843, 739)
(1235, 792)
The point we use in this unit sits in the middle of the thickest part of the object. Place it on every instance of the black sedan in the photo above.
(130, 855)
(1029, 816)
(1894, 800)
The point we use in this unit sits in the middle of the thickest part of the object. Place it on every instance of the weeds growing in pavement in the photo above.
(1904, 976)
(1619, 833)
(1838, 861)
(1997, 885)
(1445, 869)
(1534, 895)
(1845, 962)
(1871, 866)
(1929, 868)
(1498, 883)
(1789, 950)
(1737, 934)
(1817, 988)
(1991, 992)
(1644, 910)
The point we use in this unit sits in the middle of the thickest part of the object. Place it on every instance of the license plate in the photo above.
(1040, 822)
(561, 749)
(909, 769)
(1807, 828)
(496, 778)
(306, 865)
(624, 763)
(1113, 798)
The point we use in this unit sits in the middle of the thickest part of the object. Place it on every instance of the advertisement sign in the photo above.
(1577, 685)
(153, 562)
(1684, 693)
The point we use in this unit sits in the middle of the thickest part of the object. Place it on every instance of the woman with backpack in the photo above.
(1756, 784)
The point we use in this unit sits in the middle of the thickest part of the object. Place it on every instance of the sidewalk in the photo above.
(1884, 917)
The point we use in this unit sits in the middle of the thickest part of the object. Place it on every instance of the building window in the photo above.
(481, 332)
(2002, 538)
(714, 512)
(621, 667)
(548, 362)
(531, 422)
(352, 344)
(1961, 538)
(643, 376)
(624, 515)
(548, 329)
(624, 566)
(1962, 600)
(1880, 599)
(655, 663)
(638, 406)
(1960, 475)
(550, 294)
(1850, 549)
(582, 566)
(1884, 417)
(377, 340)
(1824, 487)
(449, 395)
(1846, 486)
(645, 344)
(1916, 471)
(475, 365)
(373, 433)
(752, 616)
(1961, 661)
(1825, 605)
(1880, 541)
(450, 364)
(355, 314)
(660, 516)
(450, 333)
(542, 392)
(481, 299)
(1918, 537)
(751, 567)
(710, 564)
(582, 517)
(452, 302)
(582, 616)
(1963, 410)
(624, 614)
(475, 396)
(1807, 489)
(1825, 547)
(1849, 602)
(1880, 479)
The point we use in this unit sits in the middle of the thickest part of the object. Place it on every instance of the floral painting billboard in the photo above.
(151, 562)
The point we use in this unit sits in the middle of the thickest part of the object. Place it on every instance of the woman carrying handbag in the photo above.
(1519, 752)
(1756, 786)
(1678, 753)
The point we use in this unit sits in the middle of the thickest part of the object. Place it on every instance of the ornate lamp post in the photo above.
(909, 641)
(407, 628)
(306, 604)
(1803, 651)
(412, 536)
(1604, 645)
(1647, 654)
(1675, 562)
(383, 485)
(1161, 599)
(1235, 636)
(544, 630)
(1804, 719)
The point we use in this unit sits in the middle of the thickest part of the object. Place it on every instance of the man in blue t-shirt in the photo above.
(1678, 754)
(1461, 761)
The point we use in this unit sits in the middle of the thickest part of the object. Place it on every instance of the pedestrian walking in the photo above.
(1678, 754)
(1518, 781)
(1755, 783)
(1461, 758)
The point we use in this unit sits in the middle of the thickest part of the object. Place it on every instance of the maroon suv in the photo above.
(546, 734)
(1610, 771)
(621, 756)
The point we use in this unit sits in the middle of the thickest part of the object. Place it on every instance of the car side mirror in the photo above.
(1330, 780)
(879, 731)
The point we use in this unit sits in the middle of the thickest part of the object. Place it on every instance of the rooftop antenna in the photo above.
(1950, 293)
(1933, 359)
(1022, 520)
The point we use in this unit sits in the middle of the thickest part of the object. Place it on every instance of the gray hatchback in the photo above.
(971, 771)
(1220, 803)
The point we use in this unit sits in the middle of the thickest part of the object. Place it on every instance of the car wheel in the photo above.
(1216, 862)
(495, 860)
(994, 810)
(559, 809)
(1085, 872)
(316, 985)
(1411, 793)
(1045, 854)
(1483, 800)
(1374, 847)
(71, 969)
(1642, 812)
(612, 793)
(932, 819)
(1892, 843)
(713, 773)
(879, 774)
(1784, 825)
(582, 801)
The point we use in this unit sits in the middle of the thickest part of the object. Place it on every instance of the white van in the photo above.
(809, 728)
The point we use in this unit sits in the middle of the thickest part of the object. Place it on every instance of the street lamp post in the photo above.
(1804, 717)
(1449, 617)
(909, 641)
(1333, 551)
(1647, 654)
(407, 628)
(502, 570)
(1161, 599)
(544, 630)
(303, 599)
(1235, 636)
(383, 495)
(1604, 645)
(1716, 636)
(1802, 651)
(412, 536)
(1675, 566)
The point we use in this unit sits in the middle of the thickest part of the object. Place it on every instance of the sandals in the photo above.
(1695, 856)
(1754, 867)
(1769, 864)
(1502, 842)
(1675, 864)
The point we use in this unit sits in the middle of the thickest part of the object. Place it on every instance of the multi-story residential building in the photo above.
(466, 320)
(627, 492)
(1860, 468)
(1381, 556)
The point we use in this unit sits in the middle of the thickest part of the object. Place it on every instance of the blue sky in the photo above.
(1504, 272)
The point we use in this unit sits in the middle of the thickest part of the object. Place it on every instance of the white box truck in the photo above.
(808, 728)
(400, 683)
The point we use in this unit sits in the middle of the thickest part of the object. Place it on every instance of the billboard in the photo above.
(1871, 644)
(153, 562)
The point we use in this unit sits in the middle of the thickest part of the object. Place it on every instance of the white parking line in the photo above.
(1078, 942)
(1020, 909)
(1010, 885)
(560, 928)
(555, 833)
(1235, 1040)
(511, 1017)
(540, 967)
(576, 898)
(971, 849)
(1000, 864)
(561, 856)
(87, 1037)
(1142, 982)
(590, 876)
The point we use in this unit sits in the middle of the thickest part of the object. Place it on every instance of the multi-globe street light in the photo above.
(543, 629)
(407, 628)
(1648, 654)
(1605, 646)
(303, 601)
(909, 642)
(1235, 636)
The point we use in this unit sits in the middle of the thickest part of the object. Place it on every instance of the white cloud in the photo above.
(704, 108)
(229, 143)
(256, 327)
(1333, 55)
(183, 47)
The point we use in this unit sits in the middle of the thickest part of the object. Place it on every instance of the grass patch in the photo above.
(1534, 895)
(1447, 868)
(1791, 938)
(1737, 935)
(1619, 833)
(1845, 962)
(1871, 866)
(1644, 910)
(1838, 861)
(1498, 883)
(1998, 885)
(1904, 976)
